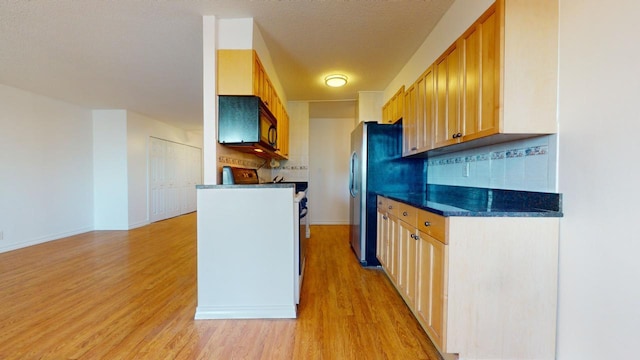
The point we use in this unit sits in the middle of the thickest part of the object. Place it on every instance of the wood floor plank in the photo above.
(132, 295)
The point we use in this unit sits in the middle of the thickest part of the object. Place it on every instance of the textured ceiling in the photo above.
(146, 55)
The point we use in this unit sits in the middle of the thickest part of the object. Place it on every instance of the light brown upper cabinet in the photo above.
(419, 115)
(240, 72)
(496, 83)
(480, 80)
(425, 110)
(393, 110)
(410, 122)
(283, 132)
(447, 75)
(467, 84)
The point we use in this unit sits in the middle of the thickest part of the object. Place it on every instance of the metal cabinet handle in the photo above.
(426, 223)
(384, 217)
(390, 207)
(404, 213)
(413, 236)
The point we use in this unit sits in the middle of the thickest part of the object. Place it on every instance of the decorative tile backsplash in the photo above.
(493, 155)
(238, 162)
(294, 169)
(291, 167)
(528, 165)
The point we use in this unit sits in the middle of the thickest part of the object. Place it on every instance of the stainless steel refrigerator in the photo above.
(377, 166)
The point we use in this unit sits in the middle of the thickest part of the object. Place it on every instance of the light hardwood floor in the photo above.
(132, 295)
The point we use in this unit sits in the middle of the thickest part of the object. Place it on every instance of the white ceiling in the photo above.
(146, 55)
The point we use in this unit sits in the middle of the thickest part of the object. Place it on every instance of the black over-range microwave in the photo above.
(246, 124)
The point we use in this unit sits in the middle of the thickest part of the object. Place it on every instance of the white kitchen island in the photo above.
(247, 251)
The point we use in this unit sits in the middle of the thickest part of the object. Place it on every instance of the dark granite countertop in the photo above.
(468, 201)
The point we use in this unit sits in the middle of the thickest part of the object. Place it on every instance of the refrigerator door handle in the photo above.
(353, 190)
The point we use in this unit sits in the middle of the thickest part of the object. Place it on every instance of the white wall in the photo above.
(46, 172)
(369, 106)
(599, 294)
(139, 129)
(67, 170)
(453, 23)
(209, 100)
(121, 165)
(110, 170)
(329, 150)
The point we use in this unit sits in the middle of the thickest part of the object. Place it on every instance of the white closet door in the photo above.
(157, 180)
(173, 162)
(174, 171)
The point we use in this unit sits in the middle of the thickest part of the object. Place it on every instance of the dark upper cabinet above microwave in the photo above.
(245, 123)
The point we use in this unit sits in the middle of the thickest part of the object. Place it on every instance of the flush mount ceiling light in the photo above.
(335, 80)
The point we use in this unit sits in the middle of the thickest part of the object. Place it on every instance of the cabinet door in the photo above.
(268, 93)
(480, 78)
(431, 288)
(447, 98)
(409, 122)
(404, 238)
(393, 109)
(385, 108)
(408, 259)
(425, 110)
(399, 108)
(258, 78)
(283, 133)
(393, 254)
(382, 241)
(235, 76)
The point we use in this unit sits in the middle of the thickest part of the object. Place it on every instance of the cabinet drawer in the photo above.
(432, 224)
(392, 207)
(408, 214)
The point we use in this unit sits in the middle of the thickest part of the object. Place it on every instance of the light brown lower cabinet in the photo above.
(430, 307)
(481, 287)
(393, 255)
(408, 252)
(382, 242)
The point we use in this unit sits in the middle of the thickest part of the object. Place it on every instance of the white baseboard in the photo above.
(44, 239)
(246, 312)
(329, 223)
(138, 224)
